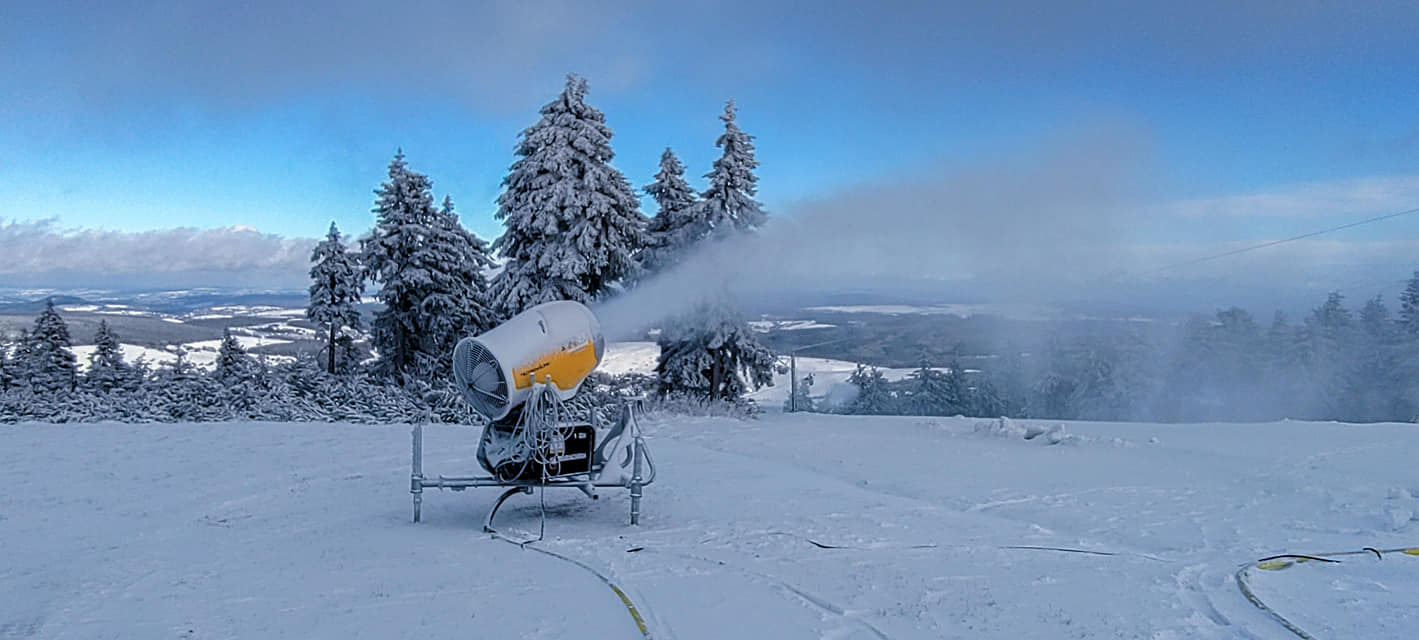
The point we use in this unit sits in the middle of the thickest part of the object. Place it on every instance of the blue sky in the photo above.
(1242, 121)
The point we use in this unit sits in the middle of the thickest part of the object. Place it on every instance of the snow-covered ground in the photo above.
(201, 354)
(303, 531)
(830, 383)
(829, 376)
(765, 326)
(204, 352)
(1011, 310)
(629, 357)
(131, 354)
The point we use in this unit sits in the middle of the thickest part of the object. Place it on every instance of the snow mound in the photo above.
(1050, 434)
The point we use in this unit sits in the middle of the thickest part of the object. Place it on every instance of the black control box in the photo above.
(569, 451)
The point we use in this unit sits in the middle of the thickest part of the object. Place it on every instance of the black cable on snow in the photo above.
(625, 600)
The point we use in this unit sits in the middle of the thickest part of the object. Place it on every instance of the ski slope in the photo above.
(938, 529)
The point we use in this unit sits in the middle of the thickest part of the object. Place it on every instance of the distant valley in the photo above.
(272, 324)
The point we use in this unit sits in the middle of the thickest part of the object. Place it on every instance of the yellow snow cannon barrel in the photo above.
(560, 343)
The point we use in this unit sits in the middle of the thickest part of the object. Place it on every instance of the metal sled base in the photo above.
(583, 482)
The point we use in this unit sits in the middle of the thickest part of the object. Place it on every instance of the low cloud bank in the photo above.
(40, 253)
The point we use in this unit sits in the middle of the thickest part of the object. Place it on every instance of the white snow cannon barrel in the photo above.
(558, 342)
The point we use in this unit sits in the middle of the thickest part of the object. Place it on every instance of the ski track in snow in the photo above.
(302, 530)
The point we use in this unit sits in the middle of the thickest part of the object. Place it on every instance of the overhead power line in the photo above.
(1273, 243)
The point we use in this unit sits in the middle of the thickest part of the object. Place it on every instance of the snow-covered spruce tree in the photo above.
(52, 366)
(107, 370)
(455, 303)
(1409, 307)
(182, 366)
(1374, 319)
(403, 211)
(1216, 373)
(728, 207)
(239, 385)
(336, 283)
(233, 363)
(179, 393)
(984, 399)
(729, 202)
(1100, 375)
(1289, 357)
(873, 395)
(21, 364)
(571, 219)
(677, 224)
(1377, 376)
(1332, 314)
(1330, 332)
(431, 275)
(711, 352)
(930, 392)
(7, 373)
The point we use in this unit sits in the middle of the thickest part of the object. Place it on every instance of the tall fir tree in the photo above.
(1374, 319)
(1096, 376)
(728, 206)
(393, 258)
(958, 396)
(1332, 340)
(677, 225)
(729, 201)
(711, 351)
(931, 392)
(52, 365)
(1332, 314)
(571, 219)
(336, 283)
(874, 395)
(431, 275)
(7, 372)
(21, 364)
(107, 370)
(1376, 369)
(456, 302)
(1216, 370)
(1409, 307)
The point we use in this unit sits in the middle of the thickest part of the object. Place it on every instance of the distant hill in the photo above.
(37, 305)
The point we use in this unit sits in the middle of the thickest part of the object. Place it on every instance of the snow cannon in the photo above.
(557, 344)
(522, 377)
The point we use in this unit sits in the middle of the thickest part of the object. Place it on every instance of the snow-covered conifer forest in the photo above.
(573, 230)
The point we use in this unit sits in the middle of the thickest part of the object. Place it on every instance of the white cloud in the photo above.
(41, 252)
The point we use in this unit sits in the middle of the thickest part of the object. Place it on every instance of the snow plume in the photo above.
(1016, 229)
(40, 253)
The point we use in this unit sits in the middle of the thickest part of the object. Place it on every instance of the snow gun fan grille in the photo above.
(480, 378)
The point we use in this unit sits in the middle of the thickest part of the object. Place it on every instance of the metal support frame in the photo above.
(416, 477)
(792, 381)
(587, 483)
(636, 479)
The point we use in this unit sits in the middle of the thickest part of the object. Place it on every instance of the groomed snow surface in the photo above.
(303, 531)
